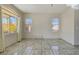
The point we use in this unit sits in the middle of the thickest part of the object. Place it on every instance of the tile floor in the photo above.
(41, 47)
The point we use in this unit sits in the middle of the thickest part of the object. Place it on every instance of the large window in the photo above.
(55, 24)
(12, 24)
(5, 24)
(9, 24)
(28, 23)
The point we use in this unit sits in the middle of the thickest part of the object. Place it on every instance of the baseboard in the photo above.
(40, 38)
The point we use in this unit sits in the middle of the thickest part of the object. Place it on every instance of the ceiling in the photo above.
(41, 8)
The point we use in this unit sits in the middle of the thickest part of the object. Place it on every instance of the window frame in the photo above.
(8, 22)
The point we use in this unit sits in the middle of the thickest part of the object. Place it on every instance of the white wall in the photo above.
(67, 26)
(76, 28)
(41, 27)
(10, 39)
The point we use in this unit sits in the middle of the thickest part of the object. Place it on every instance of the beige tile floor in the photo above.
(41, 47)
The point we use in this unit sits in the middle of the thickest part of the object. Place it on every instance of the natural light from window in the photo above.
(28, 23)
(55, 24)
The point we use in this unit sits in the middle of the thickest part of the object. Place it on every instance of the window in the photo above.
(5, 24)
(55, 24)
(9, 24)
(12, 24)
(28, 23)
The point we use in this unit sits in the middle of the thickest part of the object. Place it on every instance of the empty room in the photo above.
(39, 29)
